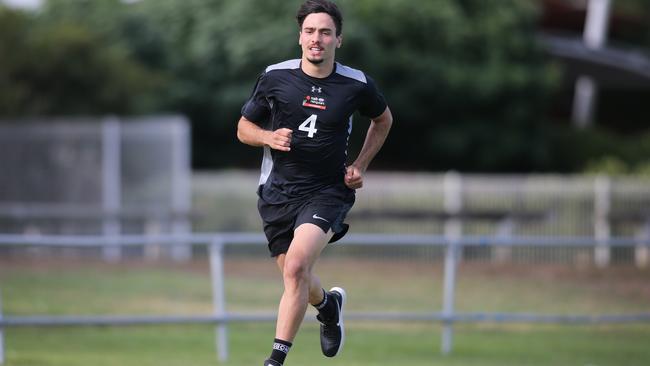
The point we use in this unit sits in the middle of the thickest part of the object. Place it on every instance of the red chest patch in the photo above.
(314, 102)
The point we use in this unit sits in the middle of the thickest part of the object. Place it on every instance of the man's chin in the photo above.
(315, 61)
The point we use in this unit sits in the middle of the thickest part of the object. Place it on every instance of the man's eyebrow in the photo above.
(315, 28)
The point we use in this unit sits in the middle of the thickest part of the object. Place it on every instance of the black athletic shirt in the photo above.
(319, 112)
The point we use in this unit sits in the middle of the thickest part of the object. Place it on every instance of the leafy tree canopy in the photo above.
(466, 80)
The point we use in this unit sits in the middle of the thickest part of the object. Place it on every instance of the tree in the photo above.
(64, 68)
(214, 50)
(466, 79)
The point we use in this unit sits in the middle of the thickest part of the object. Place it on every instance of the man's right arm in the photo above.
(252, 134)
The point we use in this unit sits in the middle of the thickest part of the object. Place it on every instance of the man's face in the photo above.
(318, 38)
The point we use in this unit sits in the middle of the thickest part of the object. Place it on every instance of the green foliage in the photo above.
(467, 81)
(614, 166)
(13, 34)
(597, 151)
(56, 67)
(214, 52)
(637, 16)
(608, 165)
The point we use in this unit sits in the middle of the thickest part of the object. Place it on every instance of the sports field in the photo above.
(76, 287)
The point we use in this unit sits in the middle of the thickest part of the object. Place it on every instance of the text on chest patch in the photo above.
(314, 102)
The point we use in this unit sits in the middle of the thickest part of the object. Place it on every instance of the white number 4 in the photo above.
(309, 126)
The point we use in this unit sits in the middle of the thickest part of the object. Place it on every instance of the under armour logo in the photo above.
(315, 89)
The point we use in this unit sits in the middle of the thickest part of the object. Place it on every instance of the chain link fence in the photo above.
(86, 176)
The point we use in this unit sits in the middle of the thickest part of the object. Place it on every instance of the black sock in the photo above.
(280, 350)
(327, 307)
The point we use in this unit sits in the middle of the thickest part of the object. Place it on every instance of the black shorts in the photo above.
(324, 211)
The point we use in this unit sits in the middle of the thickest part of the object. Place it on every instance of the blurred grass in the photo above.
(46, 286)
(386, 344)
(254, 284)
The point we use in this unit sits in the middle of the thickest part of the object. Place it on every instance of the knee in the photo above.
(296, 272)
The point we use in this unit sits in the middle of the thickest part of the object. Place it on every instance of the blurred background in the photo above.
(513, 119)
(476, 86)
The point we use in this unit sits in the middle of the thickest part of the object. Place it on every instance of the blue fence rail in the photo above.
(216, 242)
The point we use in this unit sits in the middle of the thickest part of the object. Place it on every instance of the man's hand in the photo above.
(353, 177)
(279, 139)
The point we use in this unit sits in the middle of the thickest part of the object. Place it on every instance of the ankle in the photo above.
(280, 350)
(320, 303)
(328, 308)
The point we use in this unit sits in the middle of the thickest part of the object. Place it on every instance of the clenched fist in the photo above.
(280, 139)
(353, 177)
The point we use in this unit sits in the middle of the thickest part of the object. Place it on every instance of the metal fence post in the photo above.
(602, 230)
(219, 297)
(453, 200)
(451, 263)
(2, 336)
(111, 185)
(181, 191)
(642, 249)
(503, 253)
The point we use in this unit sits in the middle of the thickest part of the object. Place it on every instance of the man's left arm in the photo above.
(375, 137)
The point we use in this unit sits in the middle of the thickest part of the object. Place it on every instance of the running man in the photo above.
(301, 113)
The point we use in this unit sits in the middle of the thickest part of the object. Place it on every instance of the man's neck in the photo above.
(319, 71)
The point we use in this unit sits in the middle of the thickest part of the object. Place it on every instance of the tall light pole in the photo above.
(595, 37)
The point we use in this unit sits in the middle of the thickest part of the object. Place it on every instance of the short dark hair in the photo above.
(320, 6)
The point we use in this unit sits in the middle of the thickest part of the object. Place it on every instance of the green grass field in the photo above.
(387, 344)
(68, 287)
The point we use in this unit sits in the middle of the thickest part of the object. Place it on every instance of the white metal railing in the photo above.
(217, 241)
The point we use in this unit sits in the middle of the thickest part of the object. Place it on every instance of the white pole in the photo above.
(642, 250)
(595, 37)
(152, 227)
(602, 230)
(453, 200)
(111, 185)
(219, 297)
(596, 24)
(505, 229)
(451, 264)
(584, 101)
(181, 192)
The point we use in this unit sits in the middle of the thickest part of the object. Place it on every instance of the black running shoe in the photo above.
(332, 332)
(270, 362)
